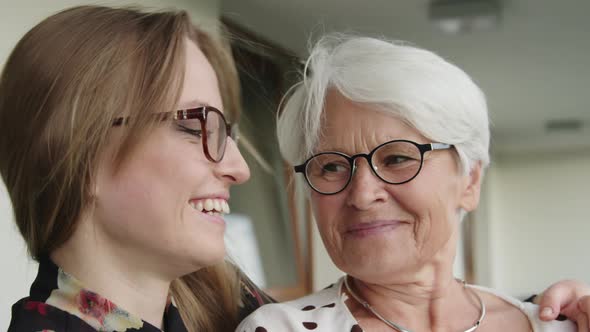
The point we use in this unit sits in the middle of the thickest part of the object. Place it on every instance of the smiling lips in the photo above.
(369, 228)
(211, 206)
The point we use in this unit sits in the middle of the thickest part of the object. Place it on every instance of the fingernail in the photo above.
(547, 311)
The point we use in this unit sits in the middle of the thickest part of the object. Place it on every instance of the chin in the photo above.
(370, 267)
(206, 258)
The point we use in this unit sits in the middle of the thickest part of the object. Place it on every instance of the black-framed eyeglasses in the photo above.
(204, 119)
(394, 162)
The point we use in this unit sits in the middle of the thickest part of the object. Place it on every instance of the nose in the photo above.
(365, 188)
(233, 168)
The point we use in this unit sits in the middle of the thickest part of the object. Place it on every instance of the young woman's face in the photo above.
(165, 205)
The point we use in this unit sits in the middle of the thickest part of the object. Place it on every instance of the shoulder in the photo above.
(34, 316)
(320, 311)
(510, 309)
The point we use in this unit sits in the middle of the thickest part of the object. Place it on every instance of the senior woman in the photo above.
(393, 141)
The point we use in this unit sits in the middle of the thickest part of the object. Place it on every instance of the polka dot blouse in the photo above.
(321, 311)
(325, 311)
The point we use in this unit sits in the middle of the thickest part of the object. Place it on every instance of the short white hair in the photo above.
(417, 86)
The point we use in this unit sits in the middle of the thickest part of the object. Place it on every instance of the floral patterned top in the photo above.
(59, 303)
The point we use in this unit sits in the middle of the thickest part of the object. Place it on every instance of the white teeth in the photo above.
(208, 204)
(211, 206)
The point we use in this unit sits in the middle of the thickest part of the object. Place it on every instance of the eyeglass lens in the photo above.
(216, 135)
(394, 162)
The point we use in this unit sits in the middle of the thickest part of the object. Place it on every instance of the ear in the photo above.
(471, 189)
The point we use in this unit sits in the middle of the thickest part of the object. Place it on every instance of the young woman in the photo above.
(118, 157)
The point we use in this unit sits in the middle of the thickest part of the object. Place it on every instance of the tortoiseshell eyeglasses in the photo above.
(210, 121)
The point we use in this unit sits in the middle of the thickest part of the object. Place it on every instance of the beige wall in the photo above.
(16, 18)
(540, 222)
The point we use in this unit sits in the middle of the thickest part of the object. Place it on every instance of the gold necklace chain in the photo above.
(399, 328)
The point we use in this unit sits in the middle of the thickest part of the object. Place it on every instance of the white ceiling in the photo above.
(534, 66)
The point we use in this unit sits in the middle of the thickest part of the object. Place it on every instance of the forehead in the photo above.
(200, 86)
(352, 127)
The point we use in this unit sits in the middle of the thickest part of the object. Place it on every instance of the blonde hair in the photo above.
(63, 85)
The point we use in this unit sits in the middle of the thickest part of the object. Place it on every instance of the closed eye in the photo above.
(193, 132)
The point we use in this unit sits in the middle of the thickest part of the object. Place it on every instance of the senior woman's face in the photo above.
(374, 230)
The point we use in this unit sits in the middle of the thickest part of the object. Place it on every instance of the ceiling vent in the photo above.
(460, 16)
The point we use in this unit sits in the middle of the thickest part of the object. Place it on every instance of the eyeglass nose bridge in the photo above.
(353, 169)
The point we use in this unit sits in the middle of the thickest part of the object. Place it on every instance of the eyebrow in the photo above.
(192, 104)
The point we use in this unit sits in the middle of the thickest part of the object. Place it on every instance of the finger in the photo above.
(582, 322)
(553, 299)
(547, 313)
(584, 304)
(584, 308)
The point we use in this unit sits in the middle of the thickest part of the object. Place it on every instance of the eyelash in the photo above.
(193, 132)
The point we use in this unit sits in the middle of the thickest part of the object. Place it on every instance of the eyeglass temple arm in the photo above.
(299, 168)
(176, 115)
(440, 146)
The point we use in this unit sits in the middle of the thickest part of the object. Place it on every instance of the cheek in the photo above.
(148, 189)
(139, 206)
(327, 211)
(152, 177)
(433, 205)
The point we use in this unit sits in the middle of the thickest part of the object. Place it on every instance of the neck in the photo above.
(436, 303)
(118, 274)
